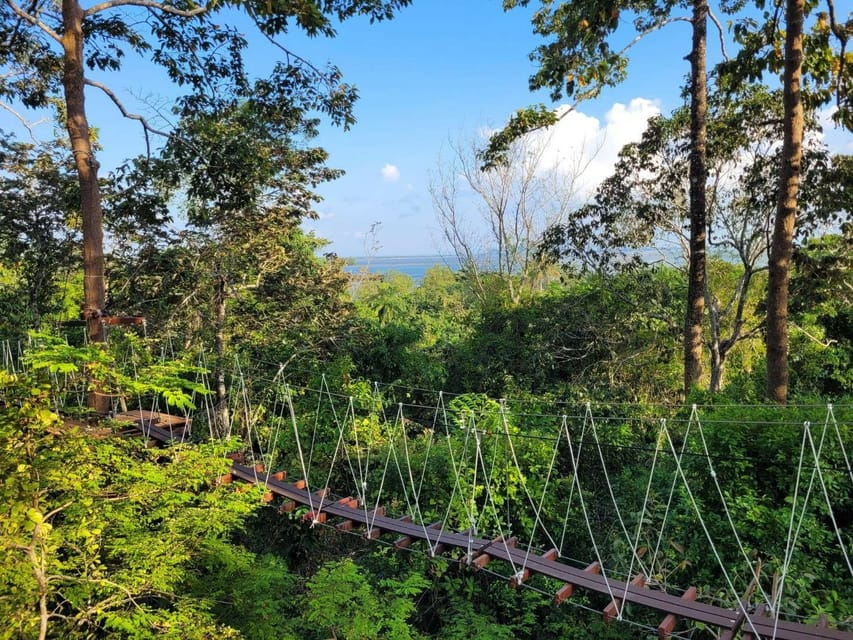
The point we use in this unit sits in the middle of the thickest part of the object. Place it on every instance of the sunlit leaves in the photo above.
(105, 529)
(175, 381)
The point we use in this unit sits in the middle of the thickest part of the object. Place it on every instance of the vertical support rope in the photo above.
(299, 446)
(829, 503)
(658, 441)
(575, 478)
(791, 537)
(490, 500)
(708, 535)
(589, 527)
(726, 509)
(612, 494)
(674, 483)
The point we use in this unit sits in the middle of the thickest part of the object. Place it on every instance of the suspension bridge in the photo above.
(514, 493)
(472, 453)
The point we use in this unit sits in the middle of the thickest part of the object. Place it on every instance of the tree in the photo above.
(245, 174)
(579, 61)
(782, 246)
(610, 335)
(102, 536)
(697, 277)
(822, 312)
(515, 201)
(252, 189)
(812, 72)
(42, 57)
(645, 204)
(39, 203)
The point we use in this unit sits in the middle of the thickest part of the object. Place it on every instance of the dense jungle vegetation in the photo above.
(108, 538)
(570, 308)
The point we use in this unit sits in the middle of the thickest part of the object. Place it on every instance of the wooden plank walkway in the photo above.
(163, 427)
(480, 550)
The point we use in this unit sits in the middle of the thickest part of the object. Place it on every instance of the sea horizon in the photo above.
(414, 266)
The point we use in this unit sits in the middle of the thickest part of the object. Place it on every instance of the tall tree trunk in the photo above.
(782, 244)
(715, 342)
(718, 364)
(698, 176)
(87, 171)
(222, 416)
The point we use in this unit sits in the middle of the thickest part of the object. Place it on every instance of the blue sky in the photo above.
(440, 70)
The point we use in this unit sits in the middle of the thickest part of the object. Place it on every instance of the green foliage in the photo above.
(408, 334)
(581, 55)
(341, 602)
(599, 333)
(826, 64)
(38, 232)
(822, 305)
(521, 123)
(100, 535)
(103, 369)
(255, 595)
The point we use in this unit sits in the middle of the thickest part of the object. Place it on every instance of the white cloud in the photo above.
(834, 136)
(586, 148)
(390, 173)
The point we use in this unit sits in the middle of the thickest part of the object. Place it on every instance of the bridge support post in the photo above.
(612, 610)
(667, 626)
(565, 592)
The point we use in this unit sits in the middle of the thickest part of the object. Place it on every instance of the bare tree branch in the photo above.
(33, 20)
(720, 32)
(146, 126)
(150, 4)
(29, 126)
(289, 55)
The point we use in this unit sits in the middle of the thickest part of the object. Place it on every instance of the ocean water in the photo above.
(413, 266)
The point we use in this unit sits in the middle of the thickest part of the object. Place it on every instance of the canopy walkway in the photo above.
(347, 514)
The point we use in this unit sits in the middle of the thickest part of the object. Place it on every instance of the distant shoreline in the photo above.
(413, 266)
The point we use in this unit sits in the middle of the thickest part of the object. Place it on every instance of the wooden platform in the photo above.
(162, 426)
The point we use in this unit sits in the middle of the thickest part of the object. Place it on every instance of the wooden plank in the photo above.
(145, 418)
(315, 517)
(666, 627)
(524, 575)
(725, 619)
(481, 558)
(344, 526)
(404, 542)
(729, 634)
(519, 578)
(768, 627)
(114, 321)
(751, 622)
(373, 532)
(439, 548)
(349, 501)
(565, 592)
(612, 610)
